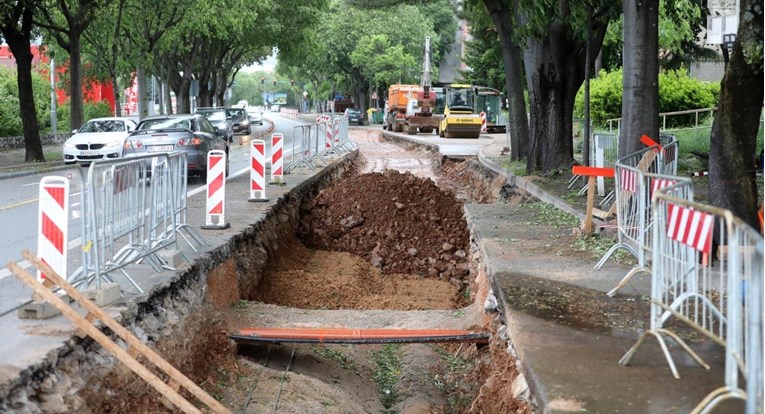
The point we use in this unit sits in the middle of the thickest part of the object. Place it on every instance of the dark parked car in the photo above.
(354, 116)
(167, 133)
(240, 119)
(220, 119)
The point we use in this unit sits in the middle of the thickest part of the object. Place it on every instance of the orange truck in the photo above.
(410, 109)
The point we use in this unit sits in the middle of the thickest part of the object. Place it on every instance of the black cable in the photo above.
(257, 378)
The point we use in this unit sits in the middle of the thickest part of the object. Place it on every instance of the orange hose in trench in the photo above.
(340, 334)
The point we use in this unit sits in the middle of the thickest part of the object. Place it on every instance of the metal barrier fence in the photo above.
(135, 207)
(308, 154)
(129, 210)
(179, 169)
(326, 138)
(723, 302)
(744, 325)
(637, 177)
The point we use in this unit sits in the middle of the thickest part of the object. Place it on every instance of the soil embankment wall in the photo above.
(178, 319)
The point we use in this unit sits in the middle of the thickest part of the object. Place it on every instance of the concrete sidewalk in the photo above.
(570, 336)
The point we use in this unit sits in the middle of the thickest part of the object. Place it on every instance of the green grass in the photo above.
(518, 168)
(597, 246)
(449, 383)
(387, 374)
(548, 214)
(53, 155)
(338, 356)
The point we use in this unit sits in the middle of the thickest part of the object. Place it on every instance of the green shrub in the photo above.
(10, 118)
(90, 110)
(677, 92)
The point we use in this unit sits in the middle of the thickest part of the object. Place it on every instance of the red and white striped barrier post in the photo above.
(483, 122)
(215, 218)
(328, 134)
(258, 170)
(277, 159)
(337, 130)
(53, 224)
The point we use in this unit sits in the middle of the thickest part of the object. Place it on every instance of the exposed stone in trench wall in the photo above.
(178, 320)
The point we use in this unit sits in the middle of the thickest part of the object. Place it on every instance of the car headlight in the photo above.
(115, 143)
(68, 145)
(244, 123)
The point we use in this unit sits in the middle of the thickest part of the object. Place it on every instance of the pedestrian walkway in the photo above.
(568, 335)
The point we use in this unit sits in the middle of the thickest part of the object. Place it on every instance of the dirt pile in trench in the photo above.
(305, 278)
(398, 222)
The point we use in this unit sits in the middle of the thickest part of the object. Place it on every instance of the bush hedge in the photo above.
(677, 92)
(10, 119)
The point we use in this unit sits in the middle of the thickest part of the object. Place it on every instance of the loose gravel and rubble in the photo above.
(382, 248)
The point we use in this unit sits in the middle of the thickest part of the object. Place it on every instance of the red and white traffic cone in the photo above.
(258, 171)
(53, 224)
(215, 207)
(277, 159)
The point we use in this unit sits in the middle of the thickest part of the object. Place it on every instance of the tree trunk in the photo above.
(19, 43)
(551, 144)
(168, 99)
(732, 175)
(640, 99)
(182, 99)
(116, 92)
(143, 110)
(518, 122)
(75, 80)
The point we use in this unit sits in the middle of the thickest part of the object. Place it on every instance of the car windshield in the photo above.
(215, 116)
(354, 112)
(165, 123)
(103, 126)
(235, 113)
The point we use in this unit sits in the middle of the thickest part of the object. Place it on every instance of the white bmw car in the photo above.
(98, 139)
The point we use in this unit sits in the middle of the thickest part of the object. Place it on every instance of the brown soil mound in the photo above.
(398, 222)
(307, 279)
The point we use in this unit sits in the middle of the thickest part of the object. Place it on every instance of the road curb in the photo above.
(531, 188)
(35, 169)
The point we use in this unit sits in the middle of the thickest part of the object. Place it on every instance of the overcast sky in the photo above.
(268, 65)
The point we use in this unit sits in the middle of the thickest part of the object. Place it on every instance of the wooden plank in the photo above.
(587, 226)
(103, 340)
(603, 215)
(89, 317)
(130, 339)
(646, 161)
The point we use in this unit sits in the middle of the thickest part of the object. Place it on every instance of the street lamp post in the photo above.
(53, 115)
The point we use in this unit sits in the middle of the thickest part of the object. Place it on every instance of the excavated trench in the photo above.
(380, 242)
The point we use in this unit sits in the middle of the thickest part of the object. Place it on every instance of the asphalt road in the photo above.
(19, 197)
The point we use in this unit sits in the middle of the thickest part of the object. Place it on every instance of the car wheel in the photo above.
(249, 130)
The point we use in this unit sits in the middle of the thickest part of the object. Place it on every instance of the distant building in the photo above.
(93, 91)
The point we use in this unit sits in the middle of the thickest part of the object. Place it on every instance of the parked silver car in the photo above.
(167, 133)
(220, 119)
(97, 139)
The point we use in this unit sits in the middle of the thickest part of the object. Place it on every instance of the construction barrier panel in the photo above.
(710, 288)
(743, 256)
(637, 178)
(258, 171)
(277, 158)
(53, 224)
(307, 154)
(483, 121)
(130, 214)
(215, 217)
(179, 180)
